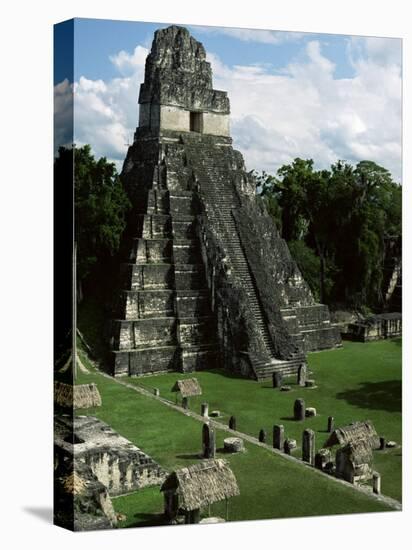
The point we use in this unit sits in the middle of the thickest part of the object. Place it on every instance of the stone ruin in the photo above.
(116, 462)
(376, 327)
(208, 281)
(81, 501)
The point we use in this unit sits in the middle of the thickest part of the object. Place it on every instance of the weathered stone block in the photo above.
(233, 444)
(299, 409)
(278, 436)
(308, 446)
(208, 441)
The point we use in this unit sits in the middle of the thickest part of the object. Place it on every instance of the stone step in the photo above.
(190, 305)
(183, 204)
(144, 304)
(156, 226)
(186, 279)
(158, 202)
(142, 333)
(194, 358)
(186, 251)
(184, 228)
(145, 250)
(265, 370)
(196, 331)
(145, 361)
(147, 276)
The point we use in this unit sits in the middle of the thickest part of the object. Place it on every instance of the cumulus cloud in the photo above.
(305, 111)
(128, 63)
(302, 110)
(253, 35)
(63, 115)
(106, 113)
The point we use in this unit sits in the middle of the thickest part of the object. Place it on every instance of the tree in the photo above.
(101, 206)
(343, 215)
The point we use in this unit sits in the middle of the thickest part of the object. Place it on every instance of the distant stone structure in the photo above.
(116, 462)
(209, 281)
(376, 327)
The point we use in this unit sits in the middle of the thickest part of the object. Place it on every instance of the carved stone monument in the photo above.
(208, 441)
(299, 410)
(302, 375)
(278, 436)
(308, 446)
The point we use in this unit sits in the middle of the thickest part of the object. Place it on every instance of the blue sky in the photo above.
(322, 96)
(98, 39)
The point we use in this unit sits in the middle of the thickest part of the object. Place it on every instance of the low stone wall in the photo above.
(321, 338)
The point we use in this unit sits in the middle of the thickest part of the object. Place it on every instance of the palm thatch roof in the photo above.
(354, 432)
(187, 387)
(201, 484)
(80, 396)
(358, 452)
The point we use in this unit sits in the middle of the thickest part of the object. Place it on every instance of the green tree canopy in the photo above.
(101, 206)
(343, 215)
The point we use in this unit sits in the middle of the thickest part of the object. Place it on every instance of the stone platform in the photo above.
(116, 462)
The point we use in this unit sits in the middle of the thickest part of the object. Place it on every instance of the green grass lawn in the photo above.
(358, 382)
(270, 486)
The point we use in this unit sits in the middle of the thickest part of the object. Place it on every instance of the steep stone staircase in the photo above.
(164, 317)
(211, 166)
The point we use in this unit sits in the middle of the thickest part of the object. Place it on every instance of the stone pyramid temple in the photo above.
(209, 282)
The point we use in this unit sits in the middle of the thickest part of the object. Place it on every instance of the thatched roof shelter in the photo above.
(202, 484)
(359, 452)
(353, 433)
(354, 461)
(187, 387)
(81, 396)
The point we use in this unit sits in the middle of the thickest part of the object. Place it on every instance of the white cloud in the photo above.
(253, 35)
(128, 63)
(63, 115)
(106, 113)
(302, 110)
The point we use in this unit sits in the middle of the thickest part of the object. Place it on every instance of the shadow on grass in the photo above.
(190, 456)
(148, 520)
(225, 373)
(385, 396)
